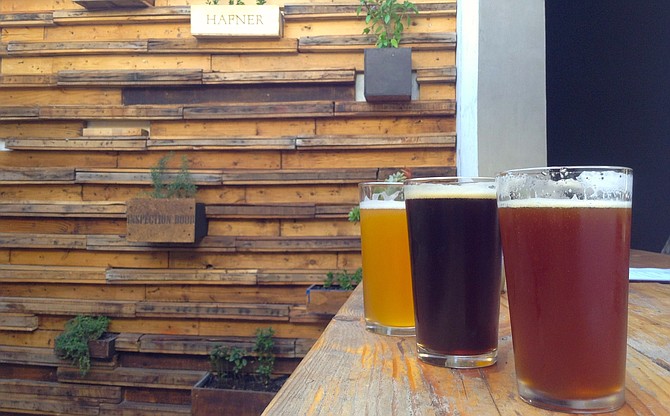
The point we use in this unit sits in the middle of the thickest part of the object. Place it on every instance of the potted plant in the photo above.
(232, 18)
(85, 337)
(228, 389)
(387, 68)
(168, 214)
(327, 298)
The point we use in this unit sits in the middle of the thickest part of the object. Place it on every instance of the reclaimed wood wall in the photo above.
(276, 140)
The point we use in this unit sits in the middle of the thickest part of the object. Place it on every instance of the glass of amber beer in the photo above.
(456, 269)
(566, 238)
(387, 282)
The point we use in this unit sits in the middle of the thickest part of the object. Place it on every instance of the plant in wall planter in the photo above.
(228, 389)
(170, 213)
(85, 337)
(233, 18)
(327, 298)
(388, 68)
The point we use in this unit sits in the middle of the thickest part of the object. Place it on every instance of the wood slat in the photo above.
(18, 48)
(182, 276)
(150, 14)
(410, 141)
(93, 209)
(297, 244)
(109, 112)
(130, 77)
(26, 19)
(112, 4)
(19, 273)
(138, 377)
(19, 113)
(10, 354)
(197, 345)
(260, 110)
(196, 310)
(298, 176)
(223, 46)
(130, 408)
(48, 306)
(82, 392)
(27, 81)
(59, 241)
(270, 77)
(51, 174)
(18, 322)
(261, 211)
(80, 143)
(37, 403)
(445, 74)
(141, 177)
(352, 43)
(114, 132)
(316, 11)
(238, 143)
(215, 244)
(411, 108)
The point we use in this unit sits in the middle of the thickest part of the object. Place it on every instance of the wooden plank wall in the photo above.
(91, 99)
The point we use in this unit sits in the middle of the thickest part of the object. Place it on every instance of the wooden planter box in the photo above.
(388, 74)
(104, 347)
(165, 220)
(253, 21)
(327, 301)
(207, 401)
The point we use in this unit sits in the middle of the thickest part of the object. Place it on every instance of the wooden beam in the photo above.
(182, 276)
(222, 46)
(137, 377)
(18, 322)
(27, 81)
(409, 141)
(116, 144)
(197, 345)
(19, 273)
(269, 77)
(260, 110)
(298, 176)
(18, 48)
(157, 77)
(112, 4)
(137, 177)
(411, 108)
(42, 175)
(197, 310)
(92, 209)
(353, 43)
(26, 19)
(109, 112)
(261, 211)
(48, 306)
(34, 356)
(115, 16)
(223, 143)
(49, 241)
(297, 244)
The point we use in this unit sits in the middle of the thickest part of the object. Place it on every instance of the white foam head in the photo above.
(455, 190)
(381, 204)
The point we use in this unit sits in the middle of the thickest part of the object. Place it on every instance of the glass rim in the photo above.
(450, 179)
(597, 168)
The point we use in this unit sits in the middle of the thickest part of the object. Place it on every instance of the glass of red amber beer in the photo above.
(566, 239)
(456, 264)
(387, 281)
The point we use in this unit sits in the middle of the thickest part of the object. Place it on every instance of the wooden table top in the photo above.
(351, 371)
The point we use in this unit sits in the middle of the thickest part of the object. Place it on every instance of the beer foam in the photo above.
(563, 203)
(381, 204)
(460, 190)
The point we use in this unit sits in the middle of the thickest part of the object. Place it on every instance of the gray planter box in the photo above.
(388, 74)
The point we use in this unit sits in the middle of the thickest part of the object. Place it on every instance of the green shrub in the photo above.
(72, 343)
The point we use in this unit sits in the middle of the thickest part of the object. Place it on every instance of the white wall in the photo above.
(500, 88)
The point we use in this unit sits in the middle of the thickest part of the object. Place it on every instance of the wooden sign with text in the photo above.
(165, 220)
(236, 21)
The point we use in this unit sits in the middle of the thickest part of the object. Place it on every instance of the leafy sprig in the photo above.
(386, 19)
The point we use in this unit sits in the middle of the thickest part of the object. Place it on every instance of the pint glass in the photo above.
(387, 282)
(456, 264)
(566, 238)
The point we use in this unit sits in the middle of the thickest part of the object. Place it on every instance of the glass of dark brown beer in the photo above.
(566, 239)
(455, 259)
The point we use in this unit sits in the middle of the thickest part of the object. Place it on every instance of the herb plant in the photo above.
(343, 279)
(265, 356)
(181, 187)
(227, 361)
(72, 344)
(386, 19)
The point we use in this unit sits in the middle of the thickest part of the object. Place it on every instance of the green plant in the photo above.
(181, 187)
(343, 279)
(386, 20)
(234, 2)
(227, 361)
(265, 356)
(400, 176)
(72, 343)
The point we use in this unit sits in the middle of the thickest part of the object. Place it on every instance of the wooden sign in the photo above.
(165, 220)
(236, 21)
